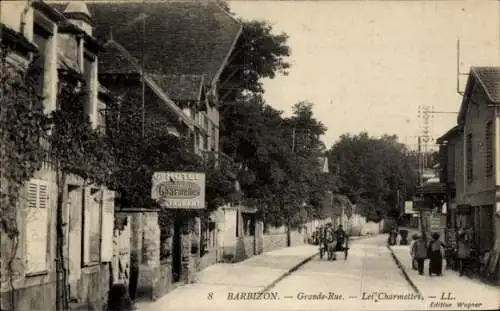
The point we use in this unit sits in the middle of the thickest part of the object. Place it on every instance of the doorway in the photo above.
(177, 250)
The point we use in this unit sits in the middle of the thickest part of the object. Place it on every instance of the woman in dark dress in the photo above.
(435, 255)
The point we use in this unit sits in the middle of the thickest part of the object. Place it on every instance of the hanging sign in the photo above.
(179, 190)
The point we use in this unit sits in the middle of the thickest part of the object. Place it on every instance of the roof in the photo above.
(181, 87)
(15, 38)
(453, 132)
(489, 79)
(181, 37)
(123, 57)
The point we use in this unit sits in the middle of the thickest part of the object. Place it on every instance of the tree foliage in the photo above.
(281, 154)
(259, 53)
(371, 171)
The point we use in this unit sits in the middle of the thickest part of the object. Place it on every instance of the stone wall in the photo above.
(279, 240)
(145, 251)
(32, 296)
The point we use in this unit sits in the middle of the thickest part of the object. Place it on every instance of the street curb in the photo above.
(403, 270)
(292, 270)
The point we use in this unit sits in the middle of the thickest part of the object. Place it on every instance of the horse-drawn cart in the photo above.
(330, 248)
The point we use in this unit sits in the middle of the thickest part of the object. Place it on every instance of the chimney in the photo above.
(79, 15)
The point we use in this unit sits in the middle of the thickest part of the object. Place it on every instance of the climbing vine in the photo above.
(22, 127)
(75, 148)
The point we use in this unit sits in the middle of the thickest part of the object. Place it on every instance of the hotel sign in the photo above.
(179, 190)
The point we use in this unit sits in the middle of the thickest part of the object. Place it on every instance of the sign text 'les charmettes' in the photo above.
(179, 190)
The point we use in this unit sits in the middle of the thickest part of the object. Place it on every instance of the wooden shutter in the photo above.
(37, 226)
(108, 210)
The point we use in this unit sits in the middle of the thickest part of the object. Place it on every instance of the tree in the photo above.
(375, 173)
(258, 53)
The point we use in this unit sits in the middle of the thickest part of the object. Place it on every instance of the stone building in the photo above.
(471, 160)
(68, 53)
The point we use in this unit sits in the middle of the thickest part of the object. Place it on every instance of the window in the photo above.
(41, 38)
(203, 141)
(37, 227)
(92, 226)
(468, 156)
(107, 225)
(489, 149)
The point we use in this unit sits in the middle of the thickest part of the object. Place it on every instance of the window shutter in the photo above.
(86, 226)
(37, 226)
(108, 210)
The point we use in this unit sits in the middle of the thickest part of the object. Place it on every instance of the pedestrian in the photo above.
(463, 252)
(414, 239)
(435, 255)
(419, 251)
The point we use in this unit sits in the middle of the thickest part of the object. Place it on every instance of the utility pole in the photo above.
(421, 214)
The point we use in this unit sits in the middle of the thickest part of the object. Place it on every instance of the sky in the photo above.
(369, 65)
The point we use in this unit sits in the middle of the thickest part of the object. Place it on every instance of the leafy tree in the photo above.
(258, 53)
(371, 170)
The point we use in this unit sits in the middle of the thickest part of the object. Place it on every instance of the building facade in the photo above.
(67, 53)
(472, 172)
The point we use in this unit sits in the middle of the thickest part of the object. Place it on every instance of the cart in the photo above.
(331, 248)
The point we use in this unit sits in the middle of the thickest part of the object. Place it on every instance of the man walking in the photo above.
(419, 251)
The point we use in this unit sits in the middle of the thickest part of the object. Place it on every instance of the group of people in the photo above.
(422, 249)
(329, 239)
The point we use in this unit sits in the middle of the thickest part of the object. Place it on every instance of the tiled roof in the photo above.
(131, 65)
(180, 87)
(489, 78)
(181, 37)
(117, 61)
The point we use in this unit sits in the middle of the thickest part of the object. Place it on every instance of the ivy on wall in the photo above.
(22, 127)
